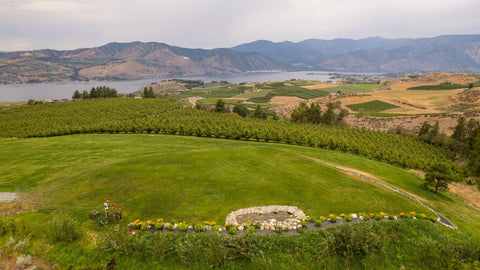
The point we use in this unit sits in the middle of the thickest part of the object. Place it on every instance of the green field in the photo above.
(372, 106)
(349, 88)
(195, 179)
(183, 178)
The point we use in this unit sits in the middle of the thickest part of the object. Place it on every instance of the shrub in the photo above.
(378, 217)
(257, 225)
(304, 223)
(64, 231)
(251, 229)
(349, 218)
(144, 226)
(432, 219)
(170, 227)
(333, 219)
(183, 227)
(199, 228)
(215, 228)
(391, 217)
(158, 225)
(24, 261)
(232, 230)
(21, 245)
(318, 223)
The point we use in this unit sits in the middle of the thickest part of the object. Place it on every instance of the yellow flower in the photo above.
(331, 215)
(136, 221)
(382, 214)
(413, 213)
(402, 214)
(323, 218)
(249, 221)
(423, 215)
(372, 214)
(342, 215)
(213, 223)
(160, 220)
(149, 222)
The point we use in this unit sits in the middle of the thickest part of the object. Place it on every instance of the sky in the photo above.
(72, 24)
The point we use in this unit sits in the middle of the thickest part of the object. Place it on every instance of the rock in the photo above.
(94, 215)
(354, 216)
(240, 228)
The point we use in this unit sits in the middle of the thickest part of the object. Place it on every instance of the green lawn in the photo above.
(352, 88)
(182, 178)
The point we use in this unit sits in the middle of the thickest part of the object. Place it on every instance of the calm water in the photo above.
(42, 91)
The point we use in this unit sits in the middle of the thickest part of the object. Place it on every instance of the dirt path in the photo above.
(7, 196)
(441, 219)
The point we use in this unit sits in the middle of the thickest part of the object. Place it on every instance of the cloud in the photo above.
(68, 24)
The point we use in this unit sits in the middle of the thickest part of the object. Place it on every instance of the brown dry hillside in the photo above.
(430, 79)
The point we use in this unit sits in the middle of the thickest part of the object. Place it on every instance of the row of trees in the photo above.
(96, 92)
(166, 117)
(465, 141)
(314, 114)
(240, 109)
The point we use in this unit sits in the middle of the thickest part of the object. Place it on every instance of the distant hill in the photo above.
(448, 53)
(120, 61)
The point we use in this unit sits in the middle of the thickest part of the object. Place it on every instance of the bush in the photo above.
(158, 225)
(318, 223)
(232, 230)
(183, 227)
(64, 231)
(251, 229)
(349, 218)
(257, 225)
(215, 228)
(304, 223)
(199, 228)
(170, 227)
(378, 217)
(333, 219)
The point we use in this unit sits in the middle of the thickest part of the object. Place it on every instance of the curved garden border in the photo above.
(440, 219)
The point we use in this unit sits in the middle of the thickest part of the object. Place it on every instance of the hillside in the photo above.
(448, 53)
(126, 61)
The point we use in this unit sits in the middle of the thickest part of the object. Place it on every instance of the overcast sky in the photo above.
(71, 24)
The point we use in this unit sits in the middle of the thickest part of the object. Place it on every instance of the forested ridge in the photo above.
(165, 117)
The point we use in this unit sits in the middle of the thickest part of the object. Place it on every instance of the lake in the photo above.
(42, 91)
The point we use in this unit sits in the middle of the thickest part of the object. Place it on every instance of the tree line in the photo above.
(96, 92)
(314, 114)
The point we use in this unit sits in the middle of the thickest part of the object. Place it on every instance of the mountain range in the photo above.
(126, 61)
(135, 60)
(448, 53)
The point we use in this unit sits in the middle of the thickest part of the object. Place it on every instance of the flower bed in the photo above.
(295, 225)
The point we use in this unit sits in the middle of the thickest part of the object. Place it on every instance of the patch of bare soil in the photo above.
(470, 194)
(446, 122)
(281, 100)
(429, 79)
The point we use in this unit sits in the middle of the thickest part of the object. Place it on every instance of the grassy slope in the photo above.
(185, 178)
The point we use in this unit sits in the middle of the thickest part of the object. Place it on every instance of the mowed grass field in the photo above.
(188, 178)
